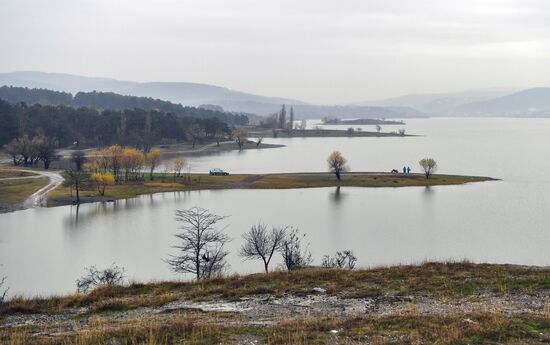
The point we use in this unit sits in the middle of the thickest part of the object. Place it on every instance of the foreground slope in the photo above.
(454, 303)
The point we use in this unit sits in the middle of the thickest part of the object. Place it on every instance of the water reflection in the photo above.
(44, 250)
(337, 196)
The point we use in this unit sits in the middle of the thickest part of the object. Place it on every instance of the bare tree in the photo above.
(93, 278)
(3, 292)
(337, 163)
(259, 141)
(343, 259)
(261, 244)
(75, 172)
(294, 254)
(201, 248)
(429, 165)
(241, 137)
(179, 164)
(196, 133)
(378, 128)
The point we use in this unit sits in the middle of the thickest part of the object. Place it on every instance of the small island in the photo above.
(369, 121)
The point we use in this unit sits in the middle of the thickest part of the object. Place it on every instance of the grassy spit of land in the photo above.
(162, 183)
(443, 303)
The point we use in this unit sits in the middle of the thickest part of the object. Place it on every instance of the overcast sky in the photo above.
(313, 50)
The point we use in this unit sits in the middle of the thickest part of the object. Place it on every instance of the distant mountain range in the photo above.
(193, 94)
(529, 102)
(493, 102)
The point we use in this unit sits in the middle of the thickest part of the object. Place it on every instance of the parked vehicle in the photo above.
(218, 172)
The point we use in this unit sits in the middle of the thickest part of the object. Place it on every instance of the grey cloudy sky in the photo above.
(314, 50)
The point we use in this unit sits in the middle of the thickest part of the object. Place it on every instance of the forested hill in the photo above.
(90, 127)
(113, 101)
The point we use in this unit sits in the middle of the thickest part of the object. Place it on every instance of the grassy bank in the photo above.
(13, 192)
(113, 313)
(62, 195)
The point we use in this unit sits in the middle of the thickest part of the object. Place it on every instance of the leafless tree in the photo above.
(45, 149)
(378, 128)
(337, 164)
(196, 133)
(93, 278)
(202, 244)
(75, 172)
(343, 259)
(294, 254)
(3, 291)
(259, 243)
(241, 137)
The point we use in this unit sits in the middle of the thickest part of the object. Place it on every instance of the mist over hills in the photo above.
(193, 94)
(490, 102)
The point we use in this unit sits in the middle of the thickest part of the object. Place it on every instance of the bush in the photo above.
(343, 259)
(113, 275)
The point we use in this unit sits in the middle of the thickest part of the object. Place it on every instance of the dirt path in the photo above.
(39, 198)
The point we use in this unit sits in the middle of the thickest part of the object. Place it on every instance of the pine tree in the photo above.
(291, 120)
(282, 117)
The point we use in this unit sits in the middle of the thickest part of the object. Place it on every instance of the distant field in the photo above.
(62, 196)
(8, 173)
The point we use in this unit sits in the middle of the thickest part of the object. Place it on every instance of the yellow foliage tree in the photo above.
(179, 164)
(103, 180)
(154, 157)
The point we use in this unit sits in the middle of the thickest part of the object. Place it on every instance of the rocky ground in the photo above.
(306, 313)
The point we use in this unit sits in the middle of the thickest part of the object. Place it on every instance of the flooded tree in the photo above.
(259, 243)
(241, 137)
(337, 164)
(429, 165)
(201, 247)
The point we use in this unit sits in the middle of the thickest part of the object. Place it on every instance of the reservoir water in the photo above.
(43, 251)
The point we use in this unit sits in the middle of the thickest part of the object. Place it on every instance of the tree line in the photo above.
(83, 127)
(114, 101)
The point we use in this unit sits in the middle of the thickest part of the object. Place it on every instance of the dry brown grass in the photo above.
(434, 280)
(205, 328)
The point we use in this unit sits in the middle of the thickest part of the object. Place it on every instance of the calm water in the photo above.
(43, 251)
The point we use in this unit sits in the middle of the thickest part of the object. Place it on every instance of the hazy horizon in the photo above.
(314, 51)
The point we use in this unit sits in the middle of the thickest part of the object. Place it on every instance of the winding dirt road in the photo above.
(39, 198)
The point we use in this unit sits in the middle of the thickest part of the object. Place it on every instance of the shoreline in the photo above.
(197, 182)
(325, 133)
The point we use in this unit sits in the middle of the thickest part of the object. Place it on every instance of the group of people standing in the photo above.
(406, 170)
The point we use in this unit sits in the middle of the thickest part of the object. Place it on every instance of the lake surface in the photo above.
(43, 251)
